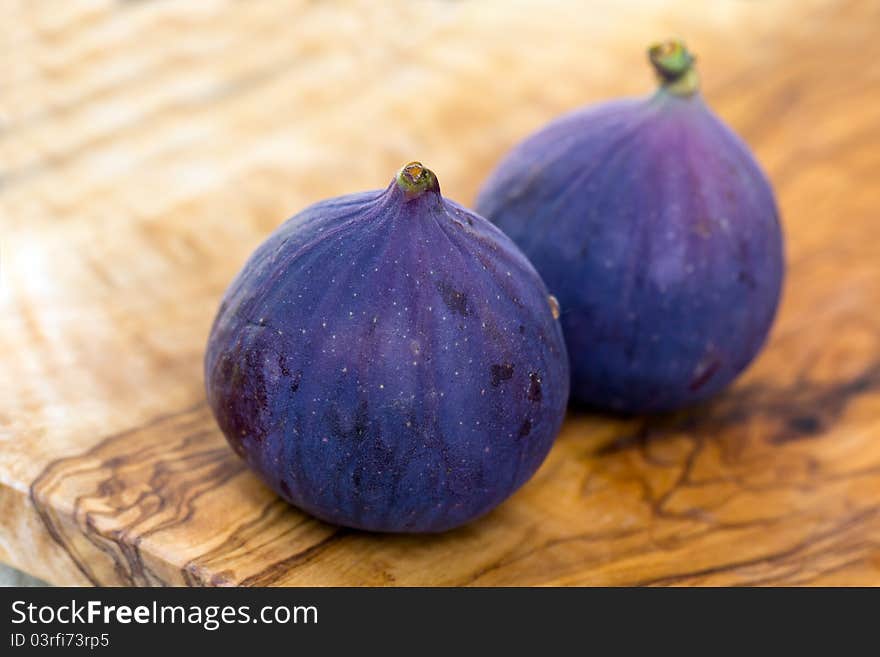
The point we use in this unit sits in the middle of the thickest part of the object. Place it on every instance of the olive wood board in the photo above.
(147, 148)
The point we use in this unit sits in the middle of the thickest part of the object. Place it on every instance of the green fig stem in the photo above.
(674, 65)
(414, 179)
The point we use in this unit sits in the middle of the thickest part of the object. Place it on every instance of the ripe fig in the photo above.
(656, 228)
(389, 361)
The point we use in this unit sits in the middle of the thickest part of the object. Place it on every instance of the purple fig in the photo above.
(657, 230)
(389, 361)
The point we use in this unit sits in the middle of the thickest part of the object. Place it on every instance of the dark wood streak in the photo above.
(147, 482)
(828, 535)
(170, 477)
(798, 411)
(278, 570)
(250, 535)
(512, 559)
(51, 477)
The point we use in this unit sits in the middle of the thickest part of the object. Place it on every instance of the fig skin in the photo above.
(389, 361)
(657, 230)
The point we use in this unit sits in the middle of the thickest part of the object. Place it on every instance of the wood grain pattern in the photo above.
(147, 148)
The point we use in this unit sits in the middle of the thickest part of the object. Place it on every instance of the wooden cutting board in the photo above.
(147, 148)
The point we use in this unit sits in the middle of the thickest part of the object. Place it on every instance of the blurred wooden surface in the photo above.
(146, 148)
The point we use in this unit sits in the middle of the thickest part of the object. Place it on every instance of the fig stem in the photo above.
(414, 179)
(674, 65)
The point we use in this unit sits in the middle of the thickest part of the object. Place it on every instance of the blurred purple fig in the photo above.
(657, 230)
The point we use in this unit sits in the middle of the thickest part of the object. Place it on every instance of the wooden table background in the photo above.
(146, 148)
